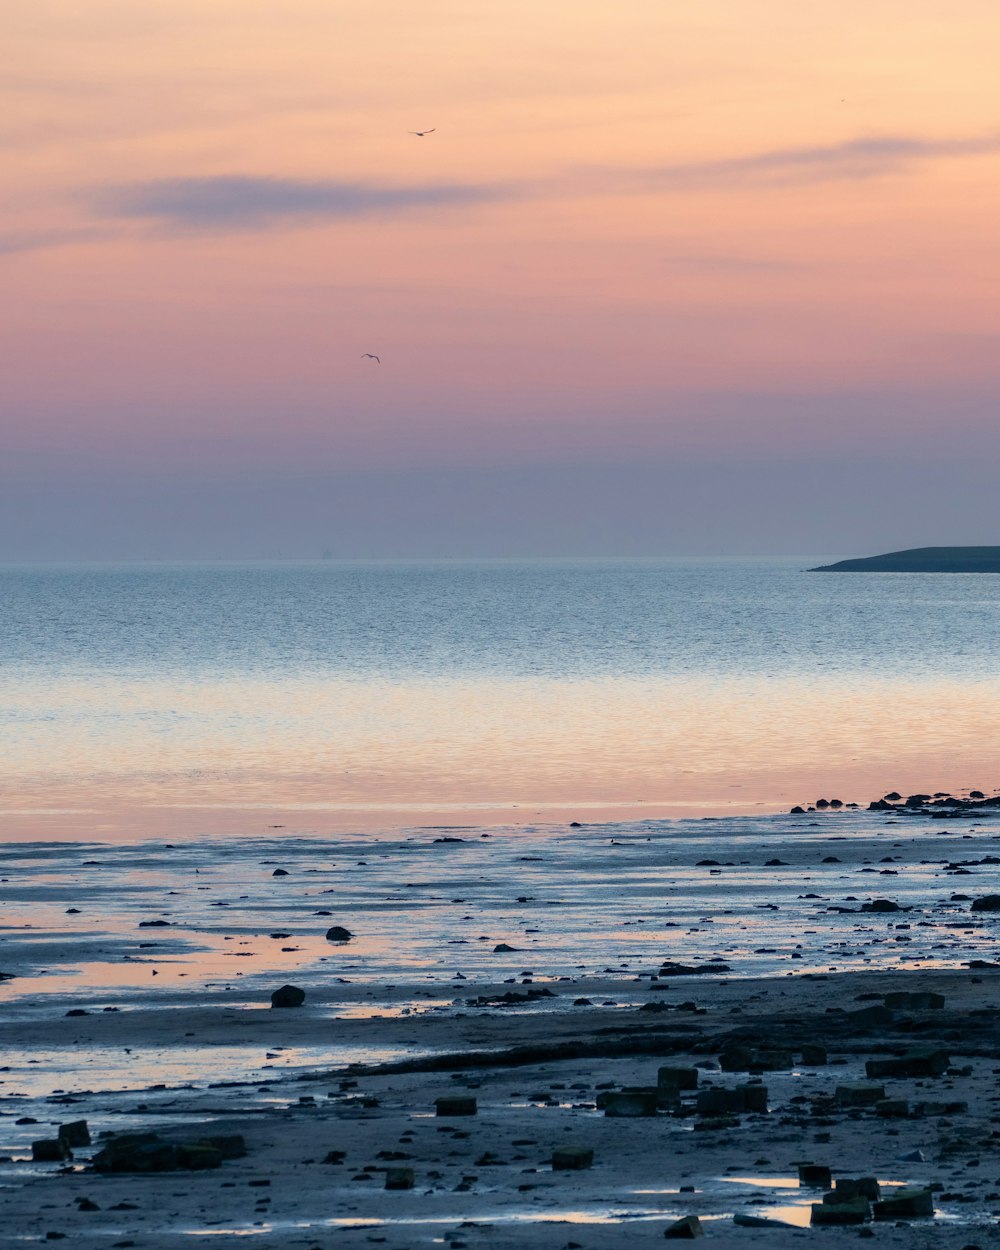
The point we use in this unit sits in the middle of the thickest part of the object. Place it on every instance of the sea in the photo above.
(198, 699)
(552, 773)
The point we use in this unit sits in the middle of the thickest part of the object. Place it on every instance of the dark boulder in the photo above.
(631, 1103)
(148, 1152)
(855, 1211)
(455, 1105)
(915, 1063)
(288, 996)
(399, 1178)
(687, 1228)
(815, 1175)
(572, 1158)
(76, 1133)
(136, 1152)
(905, 1204)
(672, 969)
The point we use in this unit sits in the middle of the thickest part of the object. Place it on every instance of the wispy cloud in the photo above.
(241, 202)
(854, 159)
(42, 240)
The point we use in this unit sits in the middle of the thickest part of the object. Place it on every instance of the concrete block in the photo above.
(572, 1158)
(905, 1204)
(455, 1105)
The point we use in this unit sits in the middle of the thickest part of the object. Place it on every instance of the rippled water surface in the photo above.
(395, 693)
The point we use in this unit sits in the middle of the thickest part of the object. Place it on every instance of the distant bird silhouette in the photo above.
(420, 133)
(371, 356)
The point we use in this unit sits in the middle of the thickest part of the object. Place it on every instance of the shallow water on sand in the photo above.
(100, 928)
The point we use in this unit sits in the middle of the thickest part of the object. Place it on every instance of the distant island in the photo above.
(922, 560)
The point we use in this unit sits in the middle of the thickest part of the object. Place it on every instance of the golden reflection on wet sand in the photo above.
(336, 753)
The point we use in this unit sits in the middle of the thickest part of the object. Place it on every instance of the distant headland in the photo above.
(922, 560)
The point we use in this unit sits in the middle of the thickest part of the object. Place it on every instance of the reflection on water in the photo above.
(211, 919)
(93, 1068)
(366, 692)
(377, 748)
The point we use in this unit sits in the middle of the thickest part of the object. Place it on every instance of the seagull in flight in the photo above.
(420, 133)
(371, 356)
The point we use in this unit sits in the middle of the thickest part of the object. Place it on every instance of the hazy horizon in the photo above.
(700, 280)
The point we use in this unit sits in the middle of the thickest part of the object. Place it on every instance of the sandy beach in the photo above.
(540, 973)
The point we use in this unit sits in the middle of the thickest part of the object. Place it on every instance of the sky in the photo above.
(702, 278)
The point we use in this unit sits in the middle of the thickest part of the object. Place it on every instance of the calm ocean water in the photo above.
(391, 692)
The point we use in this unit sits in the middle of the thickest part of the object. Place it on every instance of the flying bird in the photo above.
(420, 133)
(371, 356)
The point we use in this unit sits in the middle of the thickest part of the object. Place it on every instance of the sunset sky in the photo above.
(712, 277)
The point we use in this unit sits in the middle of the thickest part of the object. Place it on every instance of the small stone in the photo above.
(337, 933)
(50, 1150)
(988, 902)
(813, 1055)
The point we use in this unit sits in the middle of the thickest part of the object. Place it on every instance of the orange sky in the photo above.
(634, 222)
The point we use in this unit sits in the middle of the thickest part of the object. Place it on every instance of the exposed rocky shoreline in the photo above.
(555, 1040)
(858, 1101)
(940, 805)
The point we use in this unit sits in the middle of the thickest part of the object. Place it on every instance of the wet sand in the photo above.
(177, 1036)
